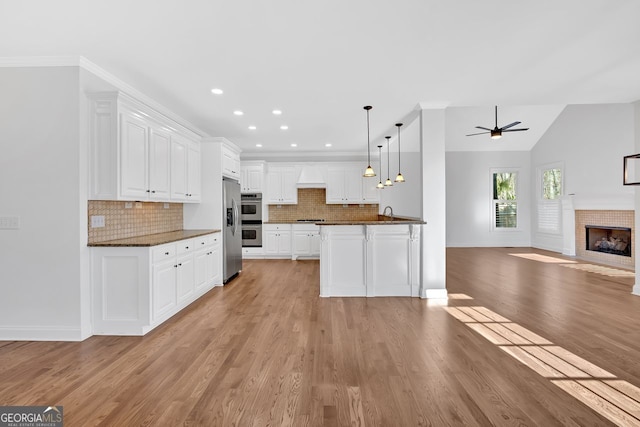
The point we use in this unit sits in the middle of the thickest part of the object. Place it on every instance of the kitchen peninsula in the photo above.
(370, 258)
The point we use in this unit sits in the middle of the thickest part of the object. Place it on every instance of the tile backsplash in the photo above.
(141, 219)
(312, 205)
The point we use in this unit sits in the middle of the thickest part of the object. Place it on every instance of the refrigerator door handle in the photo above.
(234, 209)
(237, 219)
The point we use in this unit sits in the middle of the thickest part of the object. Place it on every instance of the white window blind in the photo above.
(549, 216)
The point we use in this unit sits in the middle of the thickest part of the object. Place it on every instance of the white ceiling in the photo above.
(321, 62)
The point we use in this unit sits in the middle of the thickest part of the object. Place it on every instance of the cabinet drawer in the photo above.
(276, 227)
(164, 252)
(186, 246)
(204, 241)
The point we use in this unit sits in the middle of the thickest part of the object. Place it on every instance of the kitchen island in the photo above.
(370, 258)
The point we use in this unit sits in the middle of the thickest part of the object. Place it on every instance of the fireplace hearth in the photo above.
(610, 240)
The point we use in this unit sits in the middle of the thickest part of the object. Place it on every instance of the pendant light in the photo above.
(399, 178)
(380, 184)
(388, 182)
(369, 172)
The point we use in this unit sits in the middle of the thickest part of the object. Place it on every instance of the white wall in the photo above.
(42, 175)
(405, 198)
(590, 141)
(469, 198)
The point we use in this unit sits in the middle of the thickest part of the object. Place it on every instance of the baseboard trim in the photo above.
(435, 293)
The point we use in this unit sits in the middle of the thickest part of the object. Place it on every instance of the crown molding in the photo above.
(120, 85)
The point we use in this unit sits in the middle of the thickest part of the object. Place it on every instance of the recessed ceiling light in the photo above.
(252, 127)
(258, 145)
(238, 113)
(217, 91)
(277, 112)
(327, 145)
(284, 127)
(294, 145)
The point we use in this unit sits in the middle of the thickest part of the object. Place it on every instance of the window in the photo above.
(551, 183)
(505, 204)
(549, 193)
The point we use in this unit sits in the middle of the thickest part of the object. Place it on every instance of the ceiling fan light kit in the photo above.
(496, 132)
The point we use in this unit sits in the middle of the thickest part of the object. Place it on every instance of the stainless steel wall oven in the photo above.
(251, 215)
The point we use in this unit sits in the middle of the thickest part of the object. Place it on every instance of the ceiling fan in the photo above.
(496, 132)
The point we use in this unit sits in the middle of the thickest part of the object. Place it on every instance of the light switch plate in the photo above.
(9, 222)
(128, 205)
(97, 221)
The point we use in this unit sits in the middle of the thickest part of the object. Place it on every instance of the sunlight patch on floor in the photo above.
(544, 258)
(458, 296)
(599, 269)
(614, 399)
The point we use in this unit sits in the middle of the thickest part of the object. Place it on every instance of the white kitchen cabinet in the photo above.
(277, 240)
(230, 162)
(137, 288)
(306, 241)
(252, 177)
(138, 154)
(194, 177)
(281, 185)
(346, 185)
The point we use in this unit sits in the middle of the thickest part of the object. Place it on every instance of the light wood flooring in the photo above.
(265, 350)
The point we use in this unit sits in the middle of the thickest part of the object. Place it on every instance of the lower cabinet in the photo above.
(277, 240)
(306, 241)
(137, 288)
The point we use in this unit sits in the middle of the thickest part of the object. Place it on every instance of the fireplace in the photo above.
(610, 240)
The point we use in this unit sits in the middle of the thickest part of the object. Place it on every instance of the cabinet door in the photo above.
(335, 185)
(164, 288)
(254, 178)
(159, 165)
(370, 194)
(274, 187)
(178, 170)
(134, 154)
(301, 243)
(230, 163)
(185, 282)
(314, 243)
(284, 242)
(201, 267)
(194, 179)
(353, 185)
(271, 242)
(215, 263)
(289, 188)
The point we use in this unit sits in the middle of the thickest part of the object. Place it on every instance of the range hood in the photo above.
(311, 176)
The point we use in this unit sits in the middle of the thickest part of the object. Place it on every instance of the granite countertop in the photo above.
(382, 220)
(154, 239)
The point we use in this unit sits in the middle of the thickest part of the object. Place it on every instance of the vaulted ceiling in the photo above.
(321, 62)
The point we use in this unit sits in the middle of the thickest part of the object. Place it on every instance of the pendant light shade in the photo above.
(388, 182)
(369, 172)
(399, 177)
(380, 184)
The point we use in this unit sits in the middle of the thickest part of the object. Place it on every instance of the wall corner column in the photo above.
(636, 138)
(433, 236)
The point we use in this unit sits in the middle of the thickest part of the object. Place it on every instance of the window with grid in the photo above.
(549, 207)
(505, 200)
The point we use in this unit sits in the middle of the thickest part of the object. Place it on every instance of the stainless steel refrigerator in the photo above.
(232, 230)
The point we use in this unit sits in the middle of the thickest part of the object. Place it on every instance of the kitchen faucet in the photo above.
(384, 212)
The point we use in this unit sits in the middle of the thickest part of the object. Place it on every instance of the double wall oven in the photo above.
(251, 217)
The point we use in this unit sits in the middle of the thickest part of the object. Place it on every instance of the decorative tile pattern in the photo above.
(312, 205)
(141, 219)
(613, 218)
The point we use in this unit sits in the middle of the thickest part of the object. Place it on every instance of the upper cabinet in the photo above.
(281, 185)
(230, 162)
(137, 154)
(252, 177)
(346, 185)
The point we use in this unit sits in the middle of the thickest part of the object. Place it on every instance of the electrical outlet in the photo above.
(128, 205)
(97, 221)
(166, 205)
(9, 222)
(138, 205)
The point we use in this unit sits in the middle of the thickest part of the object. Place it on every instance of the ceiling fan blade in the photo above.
(510, 125)
(515, 130)
(481, 133)
(480, 127)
